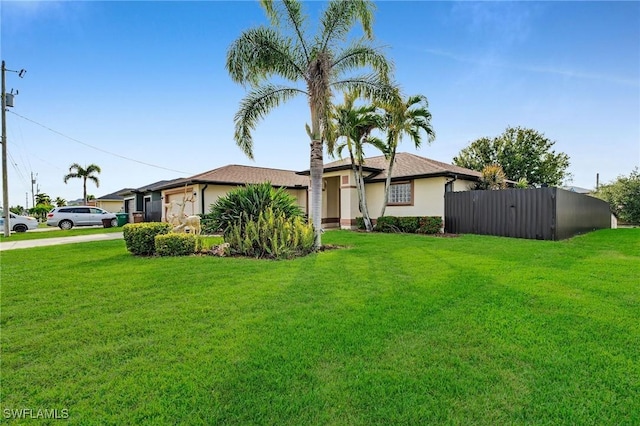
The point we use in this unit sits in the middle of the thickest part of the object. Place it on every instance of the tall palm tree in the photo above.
(354, 125)
(60, 202)
(76, 171)
(319, 63)
(410, 117)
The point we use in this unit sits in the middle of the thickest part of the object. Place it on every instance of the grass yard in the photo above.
(394, 329)
(57, 233)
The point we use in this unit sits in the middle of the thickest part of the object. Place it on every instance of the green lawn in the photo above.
(57, 232)
(393, 329)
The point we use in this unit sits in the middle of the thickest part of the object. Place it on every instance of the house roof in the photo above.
(117, 196)
(406, 166)
(234, 174)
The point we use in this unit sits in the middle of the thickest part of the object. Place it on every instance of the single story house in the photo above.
(204, 189)
(113, 202)
(146, 201)
(418, 186)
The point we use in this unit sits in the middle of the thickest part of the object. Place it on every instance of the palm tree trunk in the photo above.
(316, 168)
(84, 190)
(362, 197)
(387, 183)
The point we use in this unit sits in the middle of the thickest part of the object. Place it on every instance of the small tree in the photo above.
(623, 195)
(522, 153)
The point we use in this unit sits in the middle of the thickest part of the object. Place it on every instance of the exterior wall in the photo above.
(113, 206)
(463, 185)
(211, 194)
(428, 198)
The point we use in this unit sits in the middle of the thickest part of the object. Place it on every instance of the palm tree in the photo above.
(84, 173)
(320, 63)
(60, 202)
(355, 125)
(409, 117)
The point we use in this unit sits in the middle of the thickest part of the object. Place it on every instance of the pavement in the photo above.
(12, 245)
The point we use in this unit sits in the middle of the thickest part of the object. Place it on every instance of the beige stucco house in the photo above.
(418, 186)
(204, 189)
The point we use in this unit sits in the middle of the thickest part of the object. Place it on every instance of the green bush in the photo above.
(360, 222)
(271, 235)
(140, 237)
(387, 224)
(246, 203)
(409, 224)
(208, 224)
(430, 225)
(175, 244)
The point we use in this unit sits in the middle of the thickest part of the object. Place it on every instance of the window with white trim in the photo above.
(400, 193)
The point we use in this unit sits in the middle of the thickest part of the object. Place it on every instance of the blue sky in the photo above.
(146, 81)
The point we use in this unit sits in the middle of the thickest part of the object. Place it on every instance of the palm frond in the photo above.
(340, 16)
(367, 86)
(360, 55)
(255, 106)
(262, 52)
(287, 15)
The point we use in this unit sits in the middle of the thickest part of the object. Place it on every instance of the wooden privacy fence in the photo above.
(539, 213)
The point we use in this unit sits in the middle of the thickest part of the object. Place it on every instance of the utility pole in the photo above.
(33, 194)
(5, 181)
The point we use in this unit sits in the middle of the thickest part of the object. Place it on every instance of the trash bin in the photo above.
(138, 217)
(123, 218)
(106, 223)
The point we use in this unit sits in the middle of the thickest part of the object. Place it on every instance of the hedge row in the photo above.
(153, 238)
(409, 224)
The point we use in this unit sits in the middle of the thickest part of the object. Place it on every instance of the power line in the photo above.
(96, 148)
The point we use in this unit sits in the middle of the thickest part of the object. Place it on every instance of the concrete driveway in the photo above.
(12, 245)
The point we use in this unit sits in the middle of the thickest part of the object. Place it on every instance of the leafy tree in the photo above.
(321, 62)
(19, 210)
(40, 211)
(623, 195)
(60, 202)
(89, 172)
(522, 153)
(351, 128)
(410, 117)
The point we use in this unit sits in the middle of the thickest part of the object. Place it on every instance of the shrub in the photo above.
(175, 244)
(139, 237)
(271, 235)
(409, 224)
(387, 224)
(360, 222)
(208, 224)
(246, 203)
(430, 225)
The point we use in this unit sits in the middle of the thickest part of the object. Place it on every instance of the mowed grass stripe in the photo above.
(400, 329)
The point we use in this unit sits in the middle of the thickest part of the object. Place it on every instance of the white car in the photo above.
(19, 223)
(70, 216)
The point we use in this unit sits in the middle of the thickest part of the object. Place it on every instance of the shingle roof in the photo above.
(115, 195)
(406, 165)
(234, 174)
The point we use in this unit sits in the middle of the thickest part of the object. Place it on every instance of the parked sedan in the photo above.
(19, 223)
(68, 217)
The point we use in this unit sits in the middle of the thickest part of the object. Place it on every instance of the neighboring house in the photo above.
(145, 201)
(418, 186)
(204, 189)
(113, 202)
(578, 190)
